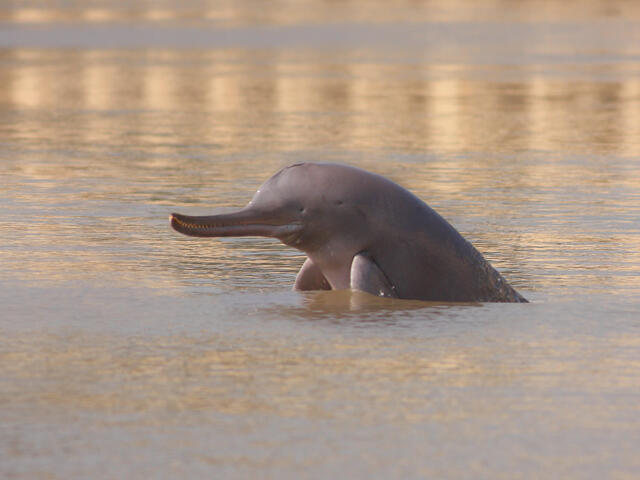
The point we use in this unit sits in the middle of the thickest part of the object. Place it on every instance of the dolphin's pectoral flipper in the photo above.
(310, 278)
(367, 276)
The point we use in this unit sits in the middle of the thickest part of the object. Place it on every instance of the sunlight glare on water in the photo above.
(128, 350)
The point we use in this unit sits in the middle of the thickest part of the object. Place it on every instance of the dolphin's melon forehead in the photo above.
(314, 184)
(333, 172)
(323, 177)
(336, 176)
(329, 180)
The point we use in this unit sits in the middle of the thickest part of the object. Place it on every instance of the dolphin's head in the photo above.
(305, 206)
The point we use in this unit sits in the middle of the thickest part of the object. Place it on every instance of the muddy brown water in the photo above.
(129, 351)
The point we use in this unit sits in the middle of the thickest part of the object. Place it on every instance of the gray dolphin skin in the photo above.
(361, 231)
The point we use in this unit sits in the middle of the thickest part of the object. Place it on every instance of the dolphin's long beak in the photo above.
(245, 222)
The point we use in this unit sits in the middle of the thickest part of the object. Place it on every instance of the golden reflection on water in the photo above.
(240, 376)
(368, 106)
(535, 163)
(98, 111)
(229, 12)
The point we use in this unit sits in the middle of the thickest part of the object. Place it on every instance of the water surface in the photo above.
(127, 350)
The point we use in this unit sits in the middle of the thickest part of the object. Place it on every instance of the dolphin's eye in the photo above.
(339, 202)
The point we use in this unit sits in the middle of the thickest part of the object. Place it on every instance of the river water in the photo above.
(130, 351)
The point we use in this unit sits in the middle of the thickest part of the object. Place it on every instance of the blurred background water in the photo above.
(127, 350)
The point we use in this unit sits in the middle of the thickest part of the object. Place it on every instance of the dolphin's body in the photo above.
(360, 231)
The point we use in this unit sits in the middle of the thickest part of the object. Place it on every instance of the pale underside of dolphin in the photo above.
(362, 231)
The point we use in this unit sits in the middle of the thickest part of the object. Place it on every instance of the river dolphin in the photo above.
(361, 231)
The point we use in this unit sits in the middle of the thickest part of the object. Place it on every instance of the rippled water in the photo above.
(127, 350)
